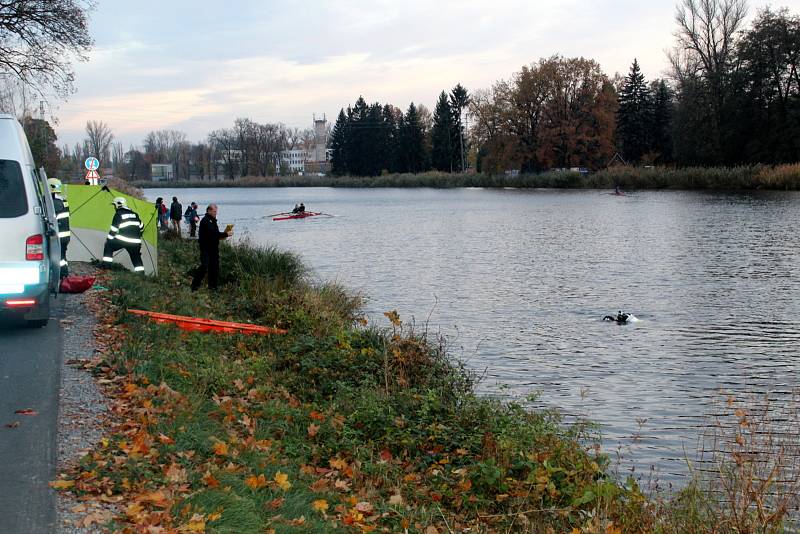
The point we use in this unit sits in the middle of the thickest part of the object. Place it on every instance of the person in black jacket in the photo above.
(208, 238)
(175, 215)
(125, 233)
(192, 218)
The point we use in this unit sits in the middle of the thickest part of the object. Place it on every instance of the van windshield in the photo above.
(13, 198)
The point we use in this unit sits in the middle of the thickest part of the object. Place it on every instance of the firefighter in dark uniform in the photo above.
(62, 218)
(208, 238)
(125, 233)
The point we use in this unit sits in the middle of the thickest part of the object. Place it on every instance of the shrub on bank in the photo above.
(780, 177)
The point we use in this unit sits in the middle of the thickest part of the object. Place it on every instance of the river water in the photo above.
(519, 282)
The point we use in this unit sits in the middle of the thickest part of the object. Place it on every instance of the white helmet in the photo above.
(55, 185)
(120, 202)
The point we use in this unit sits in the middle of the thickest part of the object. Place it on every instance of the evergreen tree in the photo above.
(661, 135)
(358, 138)
(412, 147)
(459, 99)
(634, 117)
(338, 144)
(443, 136)
(373, 141)
(389, 138)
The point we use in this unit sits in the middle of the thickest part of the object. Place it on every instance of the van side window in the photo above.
(13, 197)
(40, 189)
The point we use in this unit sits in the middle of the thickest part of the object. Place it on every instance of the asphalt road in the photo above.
(29, 379)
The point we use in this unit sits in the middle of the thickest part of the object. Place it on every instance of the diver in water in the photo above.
(621, 318)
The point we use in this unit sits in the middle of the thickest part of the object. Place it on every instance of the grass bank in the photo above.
(782, 177)
(338, 426)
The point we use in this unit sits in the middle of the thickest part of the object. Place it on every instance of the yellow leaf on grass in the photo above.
(282, 479)
(364, 507)
(196, 524)
(62, 484)
(274, 504)
(176, 474)
(256, 482)
(156, 498)
(221, 448)
(210, 481)
(320, 505)
(396, 499)
(338, 464)
(394, 317)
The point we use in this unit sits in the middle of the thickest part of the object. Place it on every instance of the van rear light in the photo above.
(21, 303)
(34, 248)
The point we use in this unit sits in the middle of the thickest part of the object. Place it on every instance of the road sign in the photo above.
(92, 164)
(93, 177)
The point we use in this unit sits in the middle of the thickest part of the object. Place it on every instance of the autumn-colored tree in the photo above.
(578, 130)
(558, 112)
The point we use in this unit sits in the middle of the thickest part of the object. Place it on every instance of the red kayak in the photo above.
(194, 324)
(298, 216)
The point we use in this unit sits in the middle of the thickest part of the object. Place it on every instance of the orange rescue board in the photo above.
(193, 324)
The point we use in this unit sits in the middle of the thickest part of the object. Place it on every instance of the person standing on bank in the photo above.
(62, 218)
(161, 213)
(209, 237)
(191, 217)
(125, 233)
(175, 215)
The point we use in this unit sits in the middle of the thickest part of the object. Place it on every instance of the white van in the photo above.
(29, 246)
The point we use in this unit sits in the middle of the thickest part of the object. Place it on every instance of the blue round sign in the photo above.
(92, 164)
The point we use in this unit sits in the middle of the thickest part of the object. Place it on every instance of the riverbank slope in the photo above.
(338, 426)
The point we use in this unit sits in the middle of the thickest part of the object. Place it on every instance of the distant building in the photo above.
(312, 159)
(294, 160)
(160, 172)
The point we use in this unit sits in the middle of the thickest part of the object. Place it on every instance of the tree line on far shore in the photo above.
(732, 97)
(367, 140)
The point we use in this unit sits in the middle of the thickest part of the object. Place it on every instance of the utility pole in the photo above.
(41, 125)
(461, 138)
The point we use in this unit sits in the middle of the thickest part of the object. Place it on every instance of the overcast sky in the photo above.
(196, 65)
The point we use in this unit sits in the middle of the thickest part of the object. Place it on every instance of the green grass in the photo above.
(781, 177)
(376, 420)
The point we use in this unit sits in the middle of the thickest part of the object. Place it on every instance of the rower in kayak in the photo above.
(299, 209)
(296, 208)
